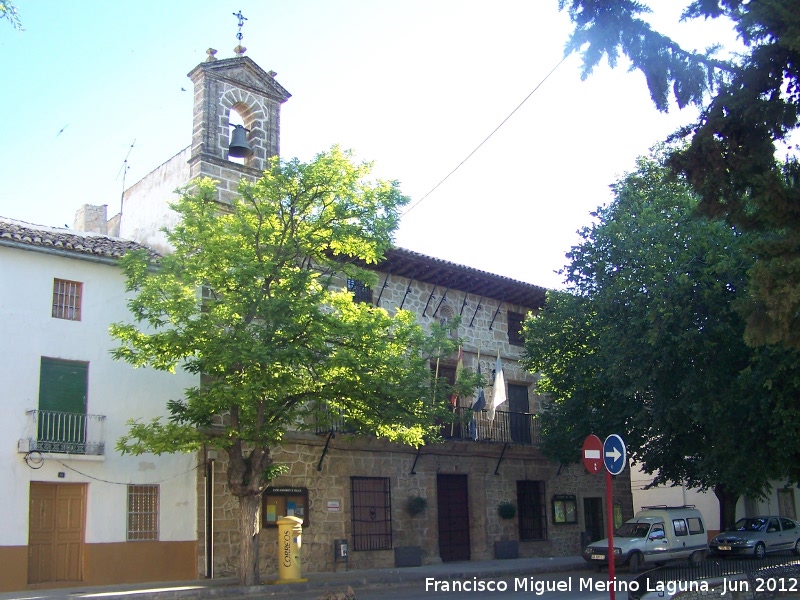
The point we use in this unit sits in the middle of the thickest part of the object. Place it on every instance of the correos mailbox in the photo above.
(290, 534)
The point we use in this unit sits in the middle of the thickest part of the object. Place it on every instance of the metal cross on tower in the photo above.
(239, 50)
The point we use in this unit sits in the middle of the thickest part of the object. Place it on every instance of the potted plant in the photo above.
(416, 505)
(506, 510)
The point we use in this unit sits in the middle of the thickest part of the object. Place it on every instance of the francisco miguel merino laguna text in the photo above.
(539, 587)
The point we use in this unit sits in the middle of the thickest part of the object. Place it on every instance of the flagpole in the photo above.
(435, 379)
(454, 402)
(478, 362)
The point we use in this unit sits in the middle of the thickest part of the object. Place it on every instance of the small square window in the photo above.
(142, 513)
(361, 292)
(67, 299)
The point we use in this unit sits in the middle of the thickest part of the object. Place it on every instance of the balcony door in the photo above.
(61, 422)
(518, 417)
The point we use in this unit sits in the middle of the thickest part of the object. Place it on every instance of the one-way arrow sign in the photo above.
(615, 455)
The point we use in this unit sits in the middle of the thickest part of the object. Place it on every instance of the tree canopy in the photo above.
(252, 301)
(647, 342)
(9, 12)
(739, 159)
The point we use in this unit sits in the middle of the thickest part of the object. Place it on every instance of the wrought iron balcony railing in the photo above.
(506, 428)
(64, 432)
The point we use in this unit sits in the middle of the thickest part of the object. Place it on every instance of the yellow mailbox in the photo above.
(290, 534)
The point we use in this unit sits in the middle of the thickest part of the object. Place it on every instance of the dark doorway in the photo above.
(593, 518)
(453, 511)
(518, 407)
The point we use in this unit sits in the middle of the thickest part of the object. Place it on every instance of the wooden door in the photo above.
(453, 511)
(56, 524)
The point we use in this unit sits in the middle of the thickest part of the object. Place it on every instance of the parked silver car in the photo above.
(758, 536)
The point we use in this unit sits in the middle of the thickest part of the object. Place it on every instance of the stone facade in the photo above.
(324, 466)
(367, 457)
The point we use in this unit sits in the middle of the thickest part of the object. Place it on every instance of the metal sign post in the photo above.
(615, 456)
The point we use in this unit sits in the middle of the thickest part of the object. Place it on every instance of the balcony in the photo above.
(51, 431)
(507, 427)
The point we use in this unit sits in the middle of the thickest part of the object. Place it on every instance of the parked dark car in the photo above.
(757, 536)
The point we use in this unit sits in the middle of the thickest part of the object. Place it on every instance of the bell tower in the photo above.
(233, 86)
(223, 87)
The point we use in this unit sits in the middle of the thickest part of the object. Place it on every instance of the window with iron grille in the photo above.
(372, 513)
(531, 510)
(142, 512)
(515, 321)
(67, 299)
(361, 292)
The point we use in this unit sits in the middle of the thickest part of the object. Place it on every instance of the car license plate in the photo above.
(598, 557)
(724, 548)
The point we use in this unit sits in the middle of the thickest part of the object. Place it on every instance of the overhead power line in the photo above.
(486, 139)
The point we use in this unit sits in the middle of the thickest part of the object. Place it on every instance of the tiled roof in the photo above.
(449, 275)
(398, 261)
(67, 240)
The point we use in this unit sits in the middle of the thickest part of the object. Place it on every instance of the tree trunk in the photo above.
(727, 506)
(249, 526)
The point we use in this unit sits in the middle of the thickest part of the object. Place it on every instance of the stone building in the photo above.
(358, 490)
(355, 491)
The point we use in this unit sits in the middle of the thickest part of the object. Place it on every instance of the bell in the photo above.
(239, 146)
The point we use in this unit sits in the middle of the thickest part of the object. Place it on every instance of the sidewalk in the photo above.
(317, 584)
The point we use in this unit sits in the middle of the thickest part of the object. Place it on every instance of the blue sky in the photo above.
(414, 86)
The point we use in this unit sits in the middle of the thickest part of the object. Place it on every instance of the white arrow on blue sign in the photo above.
(615, 456)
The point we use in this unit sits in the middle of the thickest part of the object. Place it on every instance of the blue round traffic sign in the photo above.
(615, 456)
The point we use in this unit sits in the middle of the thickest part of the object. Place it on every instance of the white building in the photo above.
(782, 500)
(74, 509)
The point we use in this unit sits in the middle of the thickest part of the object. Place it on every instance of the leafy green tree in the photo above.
(750, 105)
(9, 11)
(647, 342)
(247, 301)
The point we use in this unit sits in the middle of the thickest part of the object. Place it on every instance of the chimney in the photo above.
(92, 219)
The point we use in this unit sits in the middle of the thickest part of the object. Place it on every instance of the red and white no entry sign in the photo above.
(592, 454)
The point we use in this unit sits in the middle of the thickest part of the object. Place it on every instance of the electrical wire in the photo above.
(486, 139)
(127, 482)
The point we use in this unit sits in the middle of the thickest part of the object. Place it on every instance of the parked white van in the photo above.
(655, 535)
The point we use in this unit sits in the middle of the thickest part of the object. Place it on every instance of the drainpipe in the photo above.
(211, 456)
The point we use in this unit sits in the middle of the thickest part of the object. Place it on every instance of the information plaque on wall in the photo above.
(282, 502)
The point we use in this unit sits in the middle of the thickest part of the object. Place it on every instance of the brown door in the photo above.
(55, 532)
(453, 510)
(593, 519)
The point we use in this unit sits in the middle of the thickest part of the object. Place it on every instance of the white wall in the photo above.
(145, 206)
(116, 390)
(706, 502)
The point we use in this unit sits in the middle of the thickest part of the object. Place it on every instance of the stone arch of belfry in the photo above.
(255, 114)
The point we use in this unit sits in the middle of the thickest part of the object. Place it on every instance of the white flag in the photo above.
(499, 391)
